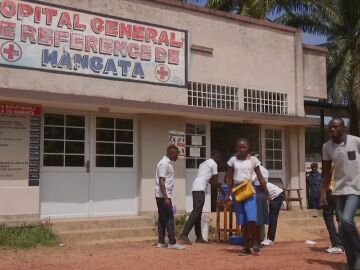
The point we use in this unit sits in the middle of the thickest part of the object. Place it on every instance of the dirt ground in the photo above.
(131, 256)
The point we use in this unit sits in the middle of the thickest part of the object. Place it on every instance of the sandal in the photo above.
(245, 252)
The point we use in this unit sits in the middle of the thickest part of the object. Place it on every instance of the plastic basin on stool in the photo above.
(236, 240)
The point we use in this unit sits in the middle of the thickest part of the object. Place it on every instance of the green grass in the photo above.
(27, 236)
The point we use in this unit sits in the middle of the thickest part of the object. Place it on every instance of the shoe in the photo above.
(185, 240)
(245, 252)
(160, 245)
(201, 241)
(267, 242)
(334, 250)
(256, 248)
(176, 246)
(346, 267)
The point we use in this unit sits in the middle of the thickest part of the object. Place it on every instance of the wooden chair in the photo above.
(227, 229)
(289, 198)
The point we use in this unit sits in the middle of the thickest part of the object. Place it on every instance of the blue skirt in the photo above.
(245, 211)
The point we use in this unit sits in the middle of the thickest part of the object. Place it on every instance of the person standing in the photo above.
(262, 202)
(344, 152)
(277, 196)
(164, 185)
(314, 183)
(207, 173)
(241, 168)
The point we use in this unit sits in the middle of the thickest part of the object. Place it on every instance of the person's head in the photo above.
(216, 156)
(336, 128)
(242, 148)
(172, 152)
(314, 167)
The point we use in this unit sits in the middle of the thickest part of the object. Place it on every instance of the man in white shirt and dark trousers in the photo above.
(343, 151)
(208, 172)
(164, 185)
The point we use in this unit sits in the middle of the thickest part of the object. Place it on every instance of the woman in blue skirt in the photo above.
(241, 168)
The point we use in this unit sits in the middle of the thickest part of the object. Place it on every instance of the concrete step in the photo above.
(101, 223)
(308, 213)
(20, 222)
(304, 222)
(104, 234)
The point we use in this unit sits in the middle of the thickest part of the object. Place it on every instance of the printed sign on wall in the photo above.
(57, 39)
(177, 138)
(20, 139)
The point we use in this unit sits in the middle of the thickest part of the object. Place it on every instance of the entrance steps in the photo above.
(105, 229)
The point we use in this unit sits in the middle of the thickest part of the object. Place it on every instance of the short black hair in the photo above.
(242, 140)
(172, 147)
(339, 119)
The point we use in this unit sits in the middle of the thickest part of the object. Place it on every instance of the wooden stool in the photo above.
(289, 199)
(228, 221)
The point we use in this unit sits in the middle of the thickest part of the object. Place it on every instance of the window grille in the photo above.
(265, 102)
(213, 96)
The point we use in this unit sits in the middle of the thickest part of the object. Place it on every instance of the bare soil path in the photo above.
(138, 256)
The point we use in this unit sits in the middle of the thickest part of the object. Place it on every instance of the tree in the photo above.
(339, 20)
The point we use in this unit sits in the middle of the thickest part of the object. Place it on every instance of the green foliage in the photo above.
(27, 236)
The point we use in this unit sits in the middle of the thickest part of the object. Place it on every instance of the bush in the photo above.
(27, 236)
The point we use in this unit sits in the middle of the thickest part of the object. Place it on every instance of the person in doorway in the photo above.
(343, 151)
(277, 196)
(328, 214)
(164, 185)
(207, 173)
(314, 183)
(241, 168)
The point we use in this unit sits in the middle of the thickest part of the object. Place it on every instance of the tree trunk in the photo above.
(354, 115)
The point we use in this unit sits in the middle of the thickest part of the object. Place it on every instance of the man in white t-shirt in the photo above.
(277, 197)
(207, 173)
(164, 185)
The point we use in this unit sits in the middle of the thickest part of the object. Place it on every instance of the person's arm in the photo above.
(163, 191)
(326, 180)
(261, 179)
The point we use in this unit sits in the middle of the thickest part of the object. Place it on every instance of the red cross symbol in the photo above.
(10, 51)
(162, 72)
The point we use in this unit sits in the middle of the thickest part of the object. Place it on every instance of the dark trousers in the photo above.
(328, 214)
(195, 216)
(346, 206)
(274, 209)
(165, 222)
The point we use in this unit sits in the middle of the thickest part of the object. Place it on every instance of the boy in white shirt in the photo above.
(207, 173)
(164, 185)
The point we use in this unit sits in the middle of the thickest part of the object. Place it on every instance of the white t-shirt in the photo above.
(265, 174)
(274, 190)
(165, 170)
(207, 169)
(243, 169)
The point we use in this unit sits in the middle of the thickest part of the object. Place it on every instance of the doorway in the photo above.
(88, 165)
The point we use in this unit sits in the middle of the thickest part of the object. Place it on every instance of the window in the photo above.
(213, 96)
(265, 102)
(114, 142)
(64, 140)
(195, 145)
(273, 149)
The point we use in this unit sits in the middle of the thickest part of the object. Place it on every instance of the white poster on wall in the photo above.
(177, 138)
(14, 141)
(196, 140)
(194, 152)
